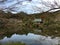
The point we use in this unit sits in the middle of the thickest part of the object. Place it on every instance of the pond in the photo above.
(31, 39)
(26, 30)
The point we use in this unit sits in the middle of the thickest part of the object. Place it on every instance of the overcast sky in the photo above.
(28, 6)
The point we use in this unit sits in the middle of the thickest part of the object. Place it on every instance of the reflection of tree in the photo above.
(47, 3)
(52, 6)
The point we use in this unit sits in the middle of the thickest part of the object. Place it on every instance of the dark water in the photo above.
(31, 39)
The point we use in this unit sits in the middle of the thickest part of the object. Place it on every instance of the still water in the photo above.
(29, 6)
(31, 39)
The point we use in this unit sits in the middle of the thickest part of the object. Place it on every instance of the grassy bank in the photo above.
(23, 24)
(13, 43)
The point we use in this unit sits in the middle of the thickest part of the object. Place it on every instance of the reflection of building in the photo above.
(38, 21)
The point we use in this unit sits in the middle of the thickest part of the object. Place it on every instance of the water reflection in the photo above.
(28, 6)
(31, 39)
